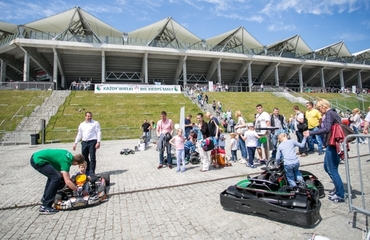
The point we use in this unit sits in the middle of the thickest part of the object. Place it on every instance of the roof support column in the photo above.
(144, 69)
(55, 70)
(2, 70)
(181, 67)
(26, 67)
(322, 78)
(277, 75)
(300, 79)
(341, 79)
(184, 73)
(250, 81)
(103, 73)
(359, 82)
(219, 72)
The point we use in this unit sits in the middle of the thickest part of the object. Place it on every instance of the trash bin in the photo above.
(34, 138)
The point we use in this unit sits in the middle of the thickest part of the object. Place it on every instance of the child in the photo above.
(178, 141)
(286, 148)
(84, 185)
(233, 147)
(221, 141)
(189, 145)
(251, 140)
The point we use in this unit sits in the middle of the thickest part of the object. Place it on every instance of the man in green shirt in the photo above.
(54, 164)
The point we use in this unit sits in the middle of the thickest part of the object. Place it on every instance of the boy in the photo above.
(251, 141)
(286, 148)
(84, 185)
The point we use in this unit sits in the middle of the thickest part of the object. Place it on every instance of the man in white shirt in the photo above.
(90, 133)
(262, 121)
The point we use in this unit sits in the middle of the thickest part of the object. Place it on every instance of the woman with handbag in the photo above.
(331, 158)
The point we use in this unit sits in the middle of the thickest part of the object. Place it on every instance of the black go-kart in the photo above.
(127, 151)
(88, 192)
(270, 195)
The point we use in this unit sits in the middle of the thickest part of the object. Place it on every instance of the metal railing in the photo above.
(358, 182)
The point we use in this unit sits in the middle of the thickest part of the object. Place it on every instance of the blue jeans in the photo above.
(274, 141)
(234, 156)
(169, 156)
(357, 132)
(311, 141)
(251, 153)
(292, 172)
(52, 183)
(331, 162)
(242, 147)
(299, 139)
(88, 149)
(180, 158)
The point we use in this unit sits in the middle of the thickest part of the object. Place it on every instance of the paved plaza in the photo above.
(146, 203)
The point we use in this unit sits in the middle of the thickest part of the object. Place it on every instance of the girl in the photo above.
(233, 147)
(178, 141)
(251, 140)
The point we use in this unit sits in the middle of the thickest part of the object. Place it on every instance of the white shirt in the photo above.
(251, 138)
(261, 122)
(233, 144)
(88, 131)
(367, 118)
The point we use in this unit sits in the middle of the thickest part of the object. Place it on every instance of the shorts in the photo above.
(261, 145)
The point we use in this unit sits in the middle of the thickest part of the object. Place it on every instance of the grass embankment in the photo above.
(16, 104)
(120, 115)
(246, 102)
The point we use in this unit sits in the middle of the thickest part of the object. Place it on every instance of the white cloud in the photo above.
(281, 27)
(317, 7)
(350, 37)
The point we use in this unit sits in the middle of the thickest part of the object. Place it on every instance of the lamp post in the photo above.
(204, 45)
(125, 37)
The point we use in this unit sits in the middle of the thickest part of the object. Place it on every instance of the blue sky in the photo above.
(319, 22)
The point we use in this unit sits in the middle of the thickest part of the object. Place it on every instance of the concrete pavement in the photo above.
(146, 203)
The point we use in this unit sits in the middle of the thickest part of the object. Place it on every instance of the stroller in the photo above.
(191, 155)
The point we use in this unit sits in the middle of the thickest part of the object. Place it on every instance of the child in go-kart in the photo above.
(286, 149)
(82, 180)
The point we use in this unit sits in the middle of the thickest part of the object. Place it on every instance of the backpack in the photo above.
(208, 144)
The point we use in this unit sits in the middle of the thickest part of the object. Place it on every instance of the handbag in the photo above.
(338, 133)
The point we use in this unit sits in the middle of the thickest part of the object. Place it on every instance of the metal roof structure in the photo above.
(74, 45)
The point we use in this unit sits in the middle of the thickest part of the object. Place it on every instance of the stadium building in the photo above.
(76, 46)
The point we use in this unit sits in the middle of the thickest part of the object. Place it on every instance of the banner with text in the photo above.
(133, 88)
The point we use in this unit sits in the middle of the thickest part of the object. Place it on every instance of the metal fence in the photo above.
(26, 85)
(356, 171)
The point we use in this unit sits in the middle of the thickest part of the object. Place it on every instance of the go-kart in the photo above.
(88, 192)
(127, 151)
(270, 195)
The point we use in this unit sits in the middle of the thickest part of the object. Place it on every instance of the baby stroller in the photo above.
(191, 155)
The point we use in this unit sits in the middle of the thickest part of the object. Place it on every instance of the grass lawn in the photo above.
(120, 115)
(16, 104)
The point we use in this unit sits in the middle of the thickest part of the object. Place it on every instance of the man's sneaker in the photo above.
(251, 166)
(47, 210)
(321, 152)
(331, 194)
(242, 161)
(336, 199)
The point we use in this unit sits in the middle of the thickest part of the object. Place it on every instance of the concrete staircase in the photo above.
(32, 124)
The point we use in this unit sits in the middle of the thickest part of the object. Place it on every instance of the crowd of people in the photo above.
(267, 131)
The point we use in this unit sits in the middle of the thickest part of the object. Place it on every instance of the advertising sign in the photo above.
(134, 88)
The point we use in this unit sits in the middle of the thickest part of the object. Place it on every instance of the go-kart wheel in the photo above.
(126, 152)
(106, 177)
(271, 165)
(132, 152)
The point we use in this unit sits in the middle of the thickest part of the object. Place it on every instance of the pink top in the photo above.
(164, 126)
(179, 142)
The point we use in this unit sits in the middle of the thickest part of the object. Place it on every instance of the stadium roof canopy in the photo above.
(74, 23)
(166, 33)
(334, 52)
(237, 40)
(294, 47)
(75, 45)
